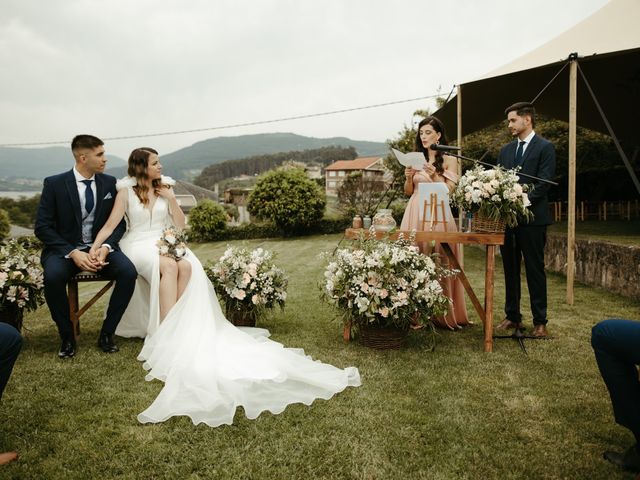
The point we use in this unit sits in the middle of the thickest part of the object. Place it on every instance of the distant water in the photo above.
(17, 195)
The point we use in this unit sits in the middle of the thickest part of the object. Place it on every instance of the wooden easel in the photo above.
(434, 208)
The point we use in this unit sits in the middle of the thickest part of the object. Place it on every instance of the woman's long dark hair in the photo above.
(138, 163)
(438, 126)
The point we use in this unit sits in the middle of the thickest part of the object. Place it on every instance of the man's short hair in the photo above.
(85, 142)
(522, 109)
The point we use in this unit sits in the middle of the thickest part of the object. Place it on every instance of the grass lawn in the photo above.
(625, 232)
(455, 412)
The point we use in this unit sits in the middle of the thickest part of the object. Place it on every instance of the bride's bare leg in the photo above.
(168, 285)
(184, 274)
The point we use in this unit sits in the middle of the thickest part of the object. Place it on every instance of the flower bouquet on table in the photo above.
(21, 282)
(386, 286)
(249, 283)
(493, 194)
(172, 243)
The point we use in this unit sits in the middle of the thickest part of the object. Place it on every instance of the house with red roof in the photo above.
(371, 167)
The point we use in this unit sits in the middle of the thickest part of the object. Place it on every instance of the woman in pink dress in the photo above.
(443, 169)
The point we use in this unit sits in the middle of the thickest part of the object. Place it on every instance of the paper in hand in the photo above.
(413, 160)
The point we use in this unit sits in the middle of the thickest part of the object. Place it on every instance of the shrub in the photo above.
(5, 224)
(289, 199)
(206, 221)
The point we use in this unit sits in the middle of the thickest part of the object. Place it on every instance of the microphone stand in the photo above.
(462, 157)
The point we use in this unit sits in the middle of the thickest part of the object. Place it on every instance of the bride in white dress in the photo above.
(209, 366)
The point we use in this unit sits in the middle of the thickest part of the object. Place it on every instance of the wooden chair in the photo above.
(75, 312)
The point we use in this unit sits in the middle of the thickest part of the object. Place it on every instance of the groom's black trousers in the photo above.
(58, 271)
(616, 344)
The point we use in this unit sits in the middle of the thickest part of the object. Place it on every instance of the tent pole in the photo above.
(571, 194)
(459, 161)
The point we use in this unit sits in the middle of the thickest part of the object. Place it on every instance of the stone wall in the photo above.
(598, 263)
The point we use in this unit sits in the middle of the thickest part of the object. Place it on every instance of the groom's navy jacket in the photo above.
(59, 219)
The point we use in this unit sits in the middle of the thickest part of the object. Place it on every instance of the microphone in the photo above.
(443, 148)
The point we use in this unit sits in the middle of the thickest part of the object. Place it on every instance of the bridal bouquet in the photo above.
(385, 283)
(248, 281)
(21, 277)
(494, 193)
(172, 243)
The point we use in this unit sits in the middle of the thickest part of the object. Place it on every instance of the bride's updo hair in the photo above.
(138, 163)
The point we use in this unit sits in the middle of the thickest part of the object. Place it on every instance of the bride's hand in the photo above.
(165, 191)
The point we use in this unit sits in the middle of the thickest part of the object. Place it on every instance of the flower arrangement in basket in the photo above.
(172, 243)
(21, 281)
(388, 284)
(248, 282)
(494, 195)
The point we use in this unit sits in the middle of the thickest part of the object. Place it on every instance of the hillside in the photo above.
(187, 163)
(36, 164)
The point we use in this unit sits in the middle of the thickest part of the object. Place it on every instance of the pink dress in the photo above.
(456, 317)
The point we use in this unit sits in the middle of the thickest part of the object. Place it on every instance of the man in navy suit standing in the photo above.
(73, 208)
(535, 156)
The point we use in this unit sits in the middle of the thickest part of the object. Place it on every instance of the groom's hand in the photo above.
(83, 261)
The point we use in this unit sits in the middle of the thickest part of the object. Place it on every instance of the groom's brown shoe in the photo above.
(509, 325)
(540, 331)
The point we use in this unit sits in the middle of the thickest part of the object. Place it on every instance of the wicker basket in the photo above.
(482, 224)
(241, 318)
(381, 338)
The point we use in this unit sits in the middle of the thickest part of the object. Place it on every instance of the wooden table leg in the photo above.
(488, 298)
(464, 280)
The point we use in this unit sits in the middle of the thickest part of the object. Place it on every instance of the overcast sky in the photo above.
(130, 67)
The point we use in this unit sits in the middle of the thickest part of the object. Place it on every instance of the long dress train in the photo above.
(452, 287)
(209, 367)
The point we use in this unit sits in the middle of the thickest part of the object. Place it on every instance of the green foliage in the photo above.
(360, 194)
(261, 163)
(23, 211)
(288, 198)
(5, 224)
(206, 220)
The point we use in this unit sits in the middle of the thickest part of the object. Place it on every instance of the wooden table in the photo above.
(491, 240)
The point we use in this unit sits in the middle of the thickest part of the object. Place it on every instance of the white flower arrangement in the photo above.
(21, 276)
(172, 243)
(494, 193)
(385, 283)
(248, 281)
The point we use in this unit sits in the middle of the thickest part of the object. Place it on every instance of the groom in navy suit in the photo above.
(73, 208)
(535, 156)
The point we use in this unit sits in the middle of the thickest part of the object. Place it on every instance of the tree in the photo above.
(207, 220)
(5, 225)
(360, 194)
(289, 198)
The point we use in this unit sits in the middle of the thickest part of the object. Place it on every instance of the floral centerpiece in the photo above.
(494, 194)
(21, 281)
(384, 284)
(172, 243)
(248, 282)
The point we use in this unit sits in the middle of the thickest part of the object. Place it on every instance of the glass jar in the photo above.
(366, 222)
(357, 222)
(383, 220)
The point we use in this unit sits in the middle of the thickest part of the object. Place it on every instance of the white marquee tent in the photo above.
(588, 76)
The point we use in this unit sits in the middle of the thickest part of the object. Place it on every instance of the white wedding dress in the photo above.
(209, 366)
